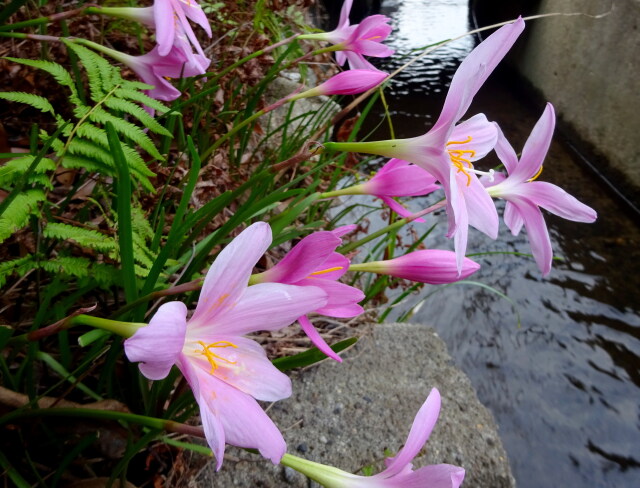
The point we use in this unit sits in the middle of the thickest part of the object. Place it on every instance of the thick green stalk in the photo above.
(327, 476)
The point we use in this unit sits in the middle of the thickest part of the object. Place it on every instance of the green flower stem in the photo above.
(352, 190)
(151, 422)
(377, 267)
(390, 228)
(123, 329)
(327, 476)
(379, 148)
(33, 37)
(42, 20)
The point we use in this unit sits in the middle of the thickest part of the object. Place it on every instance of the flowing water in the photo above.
(564, 385)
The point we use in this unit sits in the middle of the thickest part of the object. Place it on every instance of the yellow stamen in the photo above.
(372, 38)
(534, 177)
(212, 356)
(458, 161)
(467, 140)
(328, 270)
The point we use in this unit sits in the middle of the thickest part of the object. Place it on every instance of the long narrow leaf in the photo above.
(125, 230)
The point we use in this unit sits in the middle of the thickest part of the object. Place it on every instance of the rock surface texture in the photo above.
(347, 414)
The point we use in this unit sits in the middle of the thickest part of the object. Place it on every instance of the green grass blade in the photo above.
(311, 356)
(125, 230)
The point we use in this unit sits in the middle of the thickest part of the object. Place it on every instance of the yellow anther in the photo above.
(534, 177)
(372, 38)
(212, 356)
(458, 161)
(467, 140)
(328, 270)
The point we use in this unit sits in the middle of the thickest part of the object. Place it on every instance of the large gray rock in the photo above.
(347, 414)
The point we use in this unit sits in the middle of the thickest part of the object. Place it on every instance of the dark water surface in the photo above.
(564, 386)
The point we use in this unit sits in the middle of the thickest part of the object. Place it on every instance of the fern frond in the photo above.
(89, 61)
(139, 169)
(126, 91)
(138, 112)
(18, 267)
(15, 168)
(88, 238)
(17, 214)
(73, 266)
(35, 101)
(60, 74)
(127, 129)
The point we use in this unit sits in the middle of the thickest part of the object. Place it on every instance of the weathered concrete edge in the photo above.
(347, 414)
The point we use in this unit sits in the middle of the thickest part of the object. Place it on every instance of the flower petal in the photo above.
(304, 258)
(401, 180)
(265, 306)
(341, 299)
(194, 12)
(512, 218)
(165, 25)
(398, 208)
(421, 429)
(158, 345)
(246, 424)
(474, 71)
(317, 339)
(536, 147)
(482, 134)
(344, 14)
(229, 274)
(433, 476)
(244, 366)
(537, 233)
(505, 152)
(480, 207)
(557, 201)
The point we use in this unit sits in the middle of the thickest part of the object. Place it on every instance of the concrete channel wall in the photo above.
(589, 68)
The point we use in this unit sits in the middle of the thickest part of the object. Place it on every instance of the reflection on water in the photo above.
(564, 385)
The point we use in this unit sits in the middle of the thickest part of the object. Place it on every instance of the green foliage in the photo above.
(84, 144)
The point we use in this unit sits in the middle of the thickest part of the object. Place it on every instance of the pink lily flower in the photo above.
(448, 151)
(313, 262)
(171, 20)
(155, 69)
(228, 372)
(524, 195)
(353, 42)
(399, 472)
(349, 82)
(397, 178)
(433, 266)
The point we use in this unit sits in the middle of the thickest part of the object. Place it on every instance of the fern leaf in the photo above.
(130, 93)
(138, 168)
(138, 112)
(127, 129)
(89, 61)
(15, 168)
(88, 238)
(35, 101)
(17, 214)
(60, 74)
(19, 267)
(71, 161)
(72, 266)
